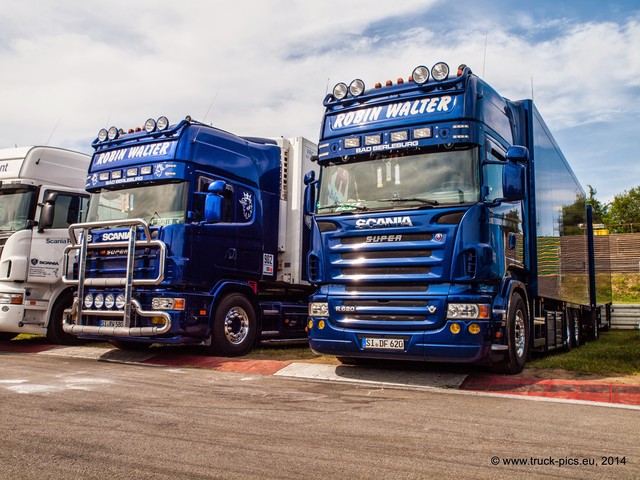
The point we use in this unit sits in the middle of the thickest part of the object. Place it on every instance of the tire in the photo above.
(6, 336)
(576, 329)
(568, 340)
(55, 333)
(594, 334)
(130, 346)
(235, 327)
(517, 338)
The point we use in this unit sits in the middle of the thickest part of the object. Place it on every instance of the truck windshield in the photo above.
(158, 204)
(16, 206)
(401, 181)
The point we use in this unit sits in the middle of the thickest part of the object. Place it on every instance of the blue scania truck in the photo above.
(447, 226)
(193, 236)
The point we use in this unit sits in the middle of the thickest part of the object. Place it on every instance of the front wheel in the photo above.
(55, 332)
(517, 338)
(235, 326)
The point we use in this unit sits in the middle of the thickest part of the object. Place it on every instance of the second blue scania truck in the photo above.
(447, 226)
(193, 236)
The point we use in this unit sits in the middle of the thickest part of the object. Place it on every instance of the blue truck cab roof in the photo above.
(173, 154)
(411, 115)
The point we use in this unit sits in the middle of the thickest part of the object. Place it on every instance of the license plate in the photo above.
(112, 323)
(383, 343)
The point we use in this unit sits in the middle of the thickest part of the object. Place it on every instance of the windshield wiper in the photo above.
(345, 207)
(423, 201)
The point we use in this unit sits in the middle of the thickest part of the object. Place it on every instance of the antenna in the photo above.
(210, 105)
(484, 57)
(532, 88)
(53, 131)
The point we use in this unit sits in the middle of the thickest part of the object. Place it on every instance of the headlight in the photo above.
(113, 133)
(340, 91)
(88, 300)
(11, 298)
(150, 125)
(420, 75)
(352, 142)
(102, 135)
(120, 301)
(318, 309)
(440, 71)
(167, 304)
(109, 300)
(461, 311)
(356, 87)
(99, 300)
(163, 123)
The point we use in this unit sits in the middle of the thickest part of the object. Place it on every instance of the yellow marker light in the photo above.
(321, 324)
(474, 328)
(158, 321)
(310, 324)
(455, 328)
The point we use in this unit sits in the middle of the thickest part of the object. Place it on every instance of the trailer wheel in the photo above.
(517, 338)
(235, 326)
(576, 329)
(55, 333)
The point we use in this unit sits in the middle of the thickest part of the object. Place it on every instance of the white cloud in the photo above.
(268, 64)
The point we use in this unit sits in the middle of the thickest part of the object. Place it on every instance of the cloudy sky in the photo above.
(262, 67)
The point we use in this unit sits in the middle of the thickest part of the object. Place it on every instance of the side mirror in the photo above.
(513, 181)
(48, 211)
(213, 202)
(518, 154)
(309, 177)
(310, 192)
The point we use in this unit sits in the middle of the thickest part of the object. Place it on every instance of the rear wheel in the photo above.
(235, 326)
(55, 332)
(517, 338)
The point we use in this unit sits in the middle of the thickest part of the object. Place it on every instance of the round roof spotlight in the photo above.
(356, 88)
(440, 71)
(163, 123)
(113, 133)
(150, 125)
(420, 75)
(102, 134)
(340, 91)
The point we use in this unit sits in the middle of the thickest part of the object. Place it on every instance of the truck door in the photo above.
(214, 253)
(506, 219)
(249, 245)
(47, 245)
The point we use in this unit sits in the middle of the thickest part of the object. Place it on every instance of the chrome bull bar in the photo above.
(127, 282)
(76, 329)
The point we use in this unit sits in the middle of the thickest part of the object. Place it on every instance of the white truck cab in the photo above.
(42, 192)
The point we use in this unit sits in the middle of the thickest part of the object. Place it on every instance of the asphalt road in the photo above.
(77, 418)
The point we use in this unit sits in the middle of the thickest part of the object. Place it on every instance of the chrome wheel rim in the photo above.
(520, 334)
(236, 325)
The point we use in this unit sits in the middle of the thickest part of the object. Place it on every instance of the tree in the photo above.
(623, 214)
(600, 210)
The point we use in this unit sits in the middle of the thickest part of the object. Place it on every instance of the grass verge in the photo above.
(616, 353)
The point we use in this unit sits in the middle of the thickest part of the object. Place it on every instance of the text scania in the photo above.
(394, 110)
(153, 150)
(110, 236)
(384, 222)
